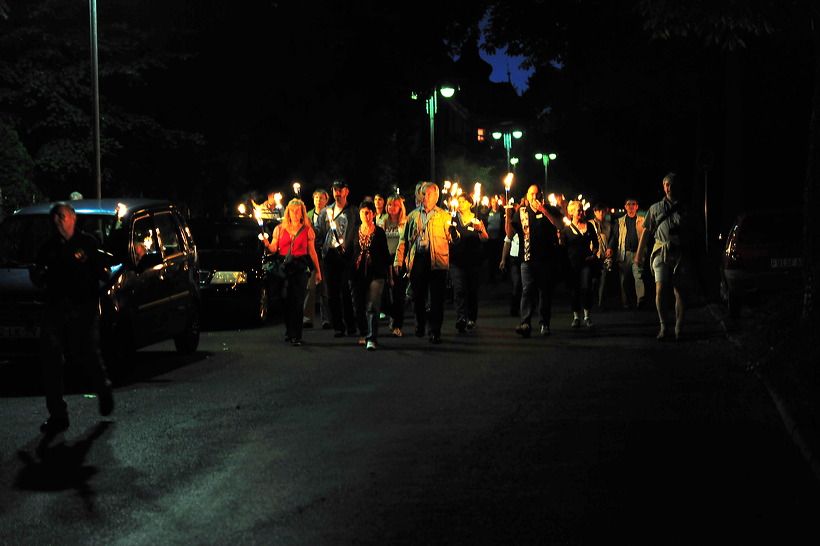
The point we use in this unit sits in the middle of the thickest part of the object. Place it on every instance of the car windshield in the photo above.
(224, 236)
(22, 235)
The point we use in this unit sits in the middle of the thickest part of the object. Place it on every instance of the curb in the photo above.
(786, 415)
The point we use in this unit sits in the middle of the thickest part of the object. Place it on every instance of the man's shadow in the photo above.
(61, 466)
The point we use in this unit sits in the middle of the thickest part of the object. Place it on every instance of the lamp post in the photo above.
(546, 158)
(446, 91)
(508, 142)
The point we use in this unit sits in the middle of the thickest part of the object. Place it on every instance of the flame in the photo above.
(508, 180)
(552, 199)
(566, 221)
(296, 187)
(477, 193)
(242, 208)
(485, 201)
(277, 197)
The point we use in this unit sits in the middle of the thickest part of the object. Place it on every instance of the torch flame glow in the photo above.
(508, 180)
(552, 199)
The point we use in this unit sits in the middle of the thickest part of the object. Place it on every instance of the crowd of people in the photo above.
(368, 263)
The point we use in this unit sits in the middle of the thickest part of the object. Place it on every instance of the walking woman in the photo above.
(581, 241)
(372, 271)
(466, 256)
(295, 235)
(394, 298)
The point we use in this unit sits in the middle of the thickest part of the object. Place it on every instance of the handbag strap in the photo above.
(293, 240)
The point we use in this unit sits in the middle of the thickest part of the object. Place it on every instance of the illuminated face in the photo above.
(463, 205)
(430, 197)
(631, 207)
(532, 194)
(367, 215)
(64, 220)
(295, 212)
(599, 215)
(394, 208)
(320, 200)
(668, 188)
(340, 194)
(379, 202)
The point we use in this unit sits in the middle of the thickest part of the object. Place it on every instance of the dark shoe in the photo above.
(545, 330)
(470, 324)
(339, 333)
(461, 325)
(55, 424)
(419, 332)
(307, 324)
(106, 401)
(288, 339)
(435, 339)
(523, 330)
(326, 326)
(296, 343)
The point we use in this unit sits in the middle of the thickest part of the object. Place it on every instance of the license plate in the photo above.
(779, 263)
(18, 332)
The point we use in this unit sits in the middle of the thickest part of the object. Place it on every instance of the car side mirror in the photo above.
(149, 261)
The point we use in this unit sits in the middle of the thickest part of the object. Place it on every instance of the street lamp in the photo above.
(431, 102)
(508, 141)
(546, 158)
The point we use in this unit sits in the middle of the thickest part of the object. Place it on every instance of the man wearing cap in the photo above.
(337, 229)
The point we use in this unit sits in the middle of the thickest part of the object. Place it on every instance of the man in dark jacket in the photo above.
(337, 229)
(69, 268)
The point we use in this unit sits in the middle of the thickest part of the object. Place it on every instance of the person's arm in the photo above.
(505, 253)
(311, 248)
(481, 229)
(401, 248)
(273, 245)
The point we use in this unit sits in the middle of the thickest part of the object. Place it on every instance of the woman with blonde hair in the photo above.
(395, 294)
(581, 242)
(295, 235)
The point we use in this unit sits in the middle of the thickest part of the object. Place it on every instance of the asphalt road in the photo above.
(605, 436)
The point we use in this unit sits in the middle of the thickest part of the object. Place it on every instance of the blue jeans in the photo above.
(465, 291)
(367, 300)
(536, 286)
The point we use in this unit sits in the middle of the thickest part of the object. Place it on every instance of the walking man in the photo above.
(668, 224)
(424, 251)
(69, 267)
(626, 235)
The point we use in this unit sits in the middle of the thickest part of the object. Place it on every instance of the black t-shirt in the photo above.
(543, 237)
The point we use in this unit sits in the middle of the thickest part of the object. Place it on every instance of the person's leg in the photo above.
(680, 310)
(515, 280)
(347, 300)
(333, 279)
(419, 287)
(529, 291)
(297, 286)
(397, 309)
(640, 288)
(437, 288)
(84, 332)
(545, 286)
(53, 362)
(373, 307)
(309, 313)
(473, 281)
(623, 277)
(458, 275)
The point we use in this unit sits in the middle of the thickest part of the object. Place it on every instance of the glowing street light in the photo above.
(508, 136)
(546, 158)
(431, 102)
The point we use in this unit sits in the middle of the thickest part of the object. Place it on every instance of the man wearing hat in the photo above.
(337, 229)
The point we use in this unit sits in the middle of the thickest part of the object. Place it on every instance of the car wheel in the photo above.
(187, 342)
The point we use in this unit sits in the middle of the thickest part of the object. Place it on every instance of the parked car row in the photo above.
(166, 274)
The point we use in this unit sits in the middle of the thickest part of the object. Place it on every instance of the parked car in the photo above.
(763, 254)
(153, 291)
(232, 274)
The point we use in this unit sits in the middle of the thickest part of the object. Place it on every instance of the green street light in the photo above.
(498, 135)
(447, 91)
(546, 158)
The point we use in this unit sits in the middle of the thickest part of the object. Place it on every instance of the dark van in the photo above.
(152, 294)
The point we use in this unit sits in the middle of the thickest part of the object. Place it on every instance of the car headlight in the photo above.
(229, 277)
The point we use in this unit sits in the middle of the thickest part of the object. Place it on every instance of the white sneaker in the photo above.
(588, 322)
(371, 346)
(576, 322)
